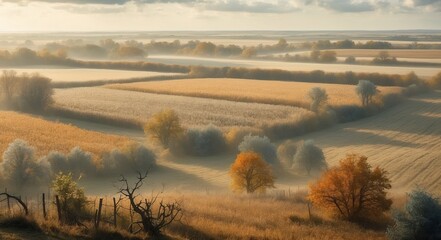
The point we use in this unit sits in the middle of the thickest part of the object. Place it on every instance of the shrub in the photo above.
(77, 162)
(352, 190)
(309, 157)
(20, 169)
(421, 218)
(235, 136)
(286, 152)
(206, 141)
(72, 198)
(135, 157)
(350, 60)
(435, 82)
(260, 145)
(250, 173)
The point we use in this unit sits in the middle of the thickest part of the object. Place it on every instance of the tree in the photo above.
(436, 81)
(72, 198)
(315, 55)
(164, 126)
(366, 90)
(249, 52)
(153, 216)
(319, 99)
(8, 84)
(250, 173)
(36, 92)
(350, 60)
(20, 169)
(309, 157)
(352, 190)
(421, 218)
(328, 56)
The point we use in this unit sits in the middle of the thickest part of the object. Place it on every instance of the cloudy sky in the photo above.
(153, 15)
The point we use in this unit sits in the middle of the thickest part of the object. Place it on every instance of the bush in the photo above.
(421, 218)
(135, 157)
(77, 162)
(72, 198)
(206, 141)
(235, 136)
(164, 127)
(286, 152)
(309, 157)
(260, 145)
(20, 169)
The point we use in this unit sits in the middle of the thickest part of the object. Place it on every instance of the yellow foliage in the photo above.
(48, 136)
(164, 126)
(352, 190)
(249, 172)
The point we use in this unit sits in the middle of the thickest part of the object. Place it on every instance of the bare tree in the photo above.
(8, 84)
(154, 213)
(366, 90)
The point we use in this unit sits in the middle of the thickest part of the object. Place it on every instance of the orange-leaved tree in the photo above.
(251, 173)
(352, 190)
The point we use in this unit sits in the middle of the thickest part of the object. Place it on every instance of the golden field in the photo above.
(260, 91)
(47, 136)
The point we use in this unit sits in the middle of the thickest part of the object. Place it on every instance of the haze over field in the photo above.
(220, 119)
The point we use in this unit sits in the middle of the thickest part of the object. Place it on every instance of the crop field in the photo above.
(405, 53)
(405, 140)
(82, 74)
(46, 136)
(192, 111)
(292, 66)
(270, 92)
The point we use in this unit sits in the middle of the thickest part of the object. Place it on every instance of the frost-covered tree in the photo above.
(309, 157)
(319, 99)
(260, 145)
(366, 90)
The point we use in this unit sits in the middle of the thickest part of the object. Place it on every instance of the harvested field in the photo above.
(47, 136)
(405, 53)
(193, 111)
(405, 140)
(271, 92)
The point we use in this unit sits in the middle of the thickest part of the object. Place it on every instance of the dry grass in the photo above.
(407, 53)
(271, 92)
(46, 136)
(192, 111)
(243, 217)
(83, 75)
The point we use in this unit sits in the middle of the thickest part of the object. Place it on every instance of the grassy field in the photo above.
(405, 53)
(46, 136)
(193, 111)
(82, 75)
(271, 92)
(405, 140)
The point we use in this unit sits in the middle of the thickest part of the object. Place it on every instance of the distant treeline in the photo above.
(317, 76)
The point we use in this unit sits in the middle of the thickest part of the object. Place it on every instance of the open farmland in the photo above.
(405, 140)
(47, 136)
(292, 66)
(192, 111)
(82, 74)
(271, 92)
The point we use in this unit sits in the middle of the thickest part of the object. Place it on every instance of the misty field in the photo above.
(192, 111)
(259, 91)
(398, 53)
(83, 74)
(292, 66)
(47, 136)
(405, 140)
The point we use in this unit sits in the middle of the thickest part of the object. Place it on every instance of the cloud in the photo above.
(250, 6)
(345, 5)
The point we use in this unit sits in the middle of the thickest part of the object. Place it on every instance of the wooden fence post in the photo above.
(57, 202)
(98, 218)
(44, 207)
(309, 211)
(114, 212)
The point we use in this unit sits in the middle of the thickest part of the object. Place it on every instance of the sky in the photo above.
(187, 15)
